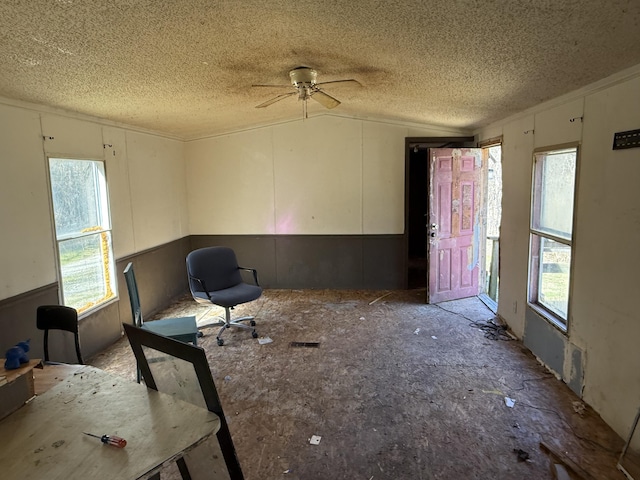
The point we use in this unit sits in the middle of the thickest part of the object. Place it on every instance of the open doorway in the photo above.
(417, 212)
(417, 203)
(490, 281)
(417, 217)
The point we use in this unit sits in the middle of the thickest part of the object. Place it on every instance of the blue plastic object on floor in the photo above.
(17, 355)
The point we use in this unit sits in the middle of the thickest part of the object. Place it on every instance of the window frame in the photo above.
(538, 234)
(106, 227)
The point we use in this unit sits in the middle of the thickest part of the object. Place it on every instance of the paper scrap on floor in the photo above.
(264, 340)
(315, 439)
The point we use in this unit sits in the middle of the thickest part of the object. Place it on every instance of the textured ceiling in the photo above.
(185, 67)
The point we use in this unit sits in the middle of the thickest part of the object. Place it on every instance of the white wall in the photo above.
(145, 175)
(604, 323)
(26, 241)
(318, 176)
(605, 315)
(324, 175)
(514, 229)
(158, 189)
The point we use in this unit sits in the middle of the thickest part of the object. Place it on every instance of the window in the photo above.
(551, 243)
(83, 232)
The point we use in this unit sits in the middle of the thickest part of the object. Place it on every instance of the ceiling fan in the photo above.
(303, 82)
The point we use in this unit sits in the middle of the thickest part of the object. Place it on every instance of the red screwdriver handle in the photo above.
(114, 441)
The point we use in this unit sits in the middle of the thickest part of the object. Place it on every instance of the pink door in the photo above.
(454, 227)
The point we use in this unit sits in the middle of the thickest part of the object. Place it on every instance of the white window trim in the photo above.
(553, 318)
(105, 209)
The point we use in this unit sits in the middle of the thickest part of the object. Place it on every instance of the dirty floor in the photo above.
(396, 389)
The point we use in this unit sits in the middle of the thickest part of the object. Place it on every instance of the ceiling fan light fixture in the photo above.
(303, 77)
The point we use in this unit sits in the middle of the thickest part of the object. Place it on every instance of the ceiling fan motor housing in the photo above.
(303, 77)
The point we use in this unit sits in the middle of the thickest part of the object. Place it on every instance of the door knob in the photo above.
(434, 226)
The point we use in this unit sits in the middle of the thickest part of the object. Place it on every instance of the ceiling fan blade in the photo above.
(275, 99)
(325, 100)
(350, 80)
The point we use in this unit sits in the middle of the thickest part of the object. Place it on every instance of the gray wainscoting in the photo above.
(18, 320)
(161, 276)
(544, 340)
(292, 261)
(318, 261)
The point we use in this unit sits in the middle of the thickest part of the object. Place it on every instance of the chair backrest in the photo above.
(134, 298)
(58, 317)
(215, 267)
(182, 370)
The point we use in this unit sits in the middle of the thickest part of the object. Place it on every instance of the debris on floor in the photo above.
(315, 439)
(227, 378)
(416, 331)
(434, 337)
(522, 455)
(305, 344)
(493, 392)
(492, 329)
(386, 400)
(509, 402)
(380, 298)
(264, 340)
(578, 407)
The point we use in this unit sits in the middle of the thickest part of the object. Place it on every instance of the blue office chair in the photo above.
(215, 278)
(184, 329)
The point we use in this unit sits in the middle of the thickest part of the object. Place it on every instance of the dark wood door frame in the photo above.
(422, 143)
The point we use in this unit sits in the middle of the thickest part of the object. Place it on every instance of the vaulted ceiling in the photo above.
(186, 67)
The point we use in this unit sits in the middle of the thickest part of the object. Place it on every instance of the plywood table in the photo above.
(50, 375)
(44, 438)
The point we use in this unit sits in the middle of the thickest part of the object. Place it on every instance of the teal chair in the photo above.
(184, 329)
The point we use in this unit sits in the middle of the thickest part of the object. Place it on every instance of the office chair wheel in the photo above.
(254, 334)
(220, 342)
(200, 334)
(252, 323)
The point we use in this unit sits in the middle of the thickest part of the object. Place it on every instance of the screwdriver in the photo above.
(110, 440)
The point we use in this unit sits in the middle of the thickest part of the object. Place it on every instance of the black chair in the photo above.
(58, 317)
(215, 278)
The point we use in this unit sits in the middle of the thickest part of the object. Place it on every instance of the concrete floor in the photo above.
(397, 390)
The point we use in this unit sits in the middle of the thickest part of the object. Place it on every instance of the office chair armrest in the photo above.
(201, 282)
(252, 270)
